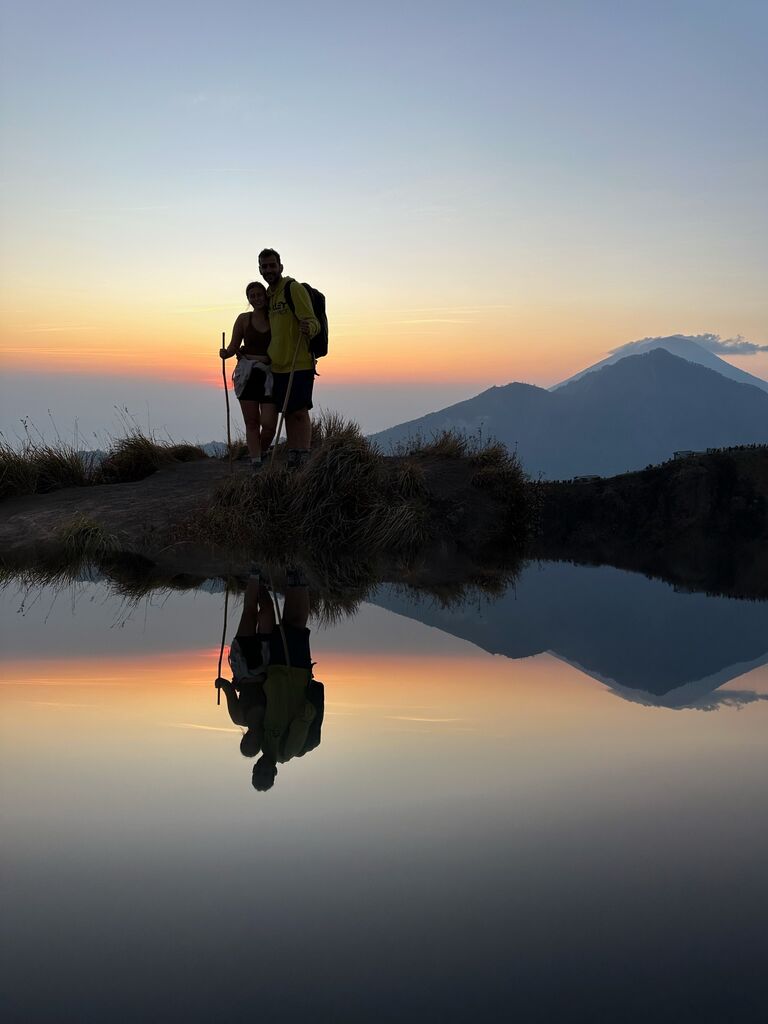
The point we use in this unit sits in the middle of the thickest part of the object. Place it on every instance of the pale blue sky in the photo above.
(600, 167)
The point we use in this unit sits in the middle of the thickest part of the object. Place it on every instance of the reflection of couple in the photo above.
(268, 341)
(272, 694)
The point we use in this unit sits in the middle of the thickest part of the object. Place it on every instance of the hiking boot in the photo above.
(257, 467)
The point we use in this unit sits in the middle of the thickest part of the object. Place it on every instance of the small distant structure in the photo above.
(586, 479)
(685, 454)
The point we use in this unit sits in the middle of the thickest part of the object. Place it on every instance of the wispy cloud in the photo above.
(94, 212)
(738, 346)
(194, 310)
(431, 320)
(56, 328)
(203, 728)
(730, 699)
(414, 718)
(57, 704)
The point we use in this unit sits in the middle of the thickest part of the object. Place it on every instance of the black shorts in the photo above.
(254, 389)
(297, 642)
(301, 390)
(252, 650)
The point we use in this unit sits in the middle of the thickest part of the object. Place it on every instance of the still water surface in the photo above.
(547, 806)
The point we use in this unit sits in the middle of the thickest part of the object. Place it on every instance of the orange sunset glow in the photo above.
(471, 345)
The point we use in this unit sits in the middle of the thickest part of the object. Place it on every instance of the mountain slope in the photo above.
(677, 345)
(624, 416)
(531, 404)
(632, 633)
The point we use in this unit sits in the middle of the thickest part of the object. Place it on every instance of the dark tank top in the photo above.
(255, 343)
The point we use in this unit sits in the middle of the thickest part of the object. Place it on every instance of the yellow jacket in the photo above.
(286, 333)
(289, 713)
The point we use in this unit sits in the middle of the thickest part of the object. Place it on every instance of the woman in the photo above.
(248, 659)
(252, 378)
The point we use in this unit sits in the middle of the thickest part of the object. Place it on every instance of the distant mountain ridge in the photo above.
(678, 345)
(627, 414)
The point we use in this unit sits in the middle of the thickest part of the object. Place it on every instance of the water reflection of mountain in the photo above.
(639, 636)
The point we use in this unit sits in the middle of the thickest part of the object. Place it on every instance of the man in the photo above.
(273, 693)
(291, 334)
(295, 701)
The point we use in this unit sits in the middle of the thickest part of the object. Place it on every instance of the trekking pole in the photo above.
(280, 621)
(285, 403)
(223, 640)
(226, 396)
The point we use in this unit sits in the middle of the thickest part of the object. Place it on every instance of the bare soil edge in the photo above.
(148, 521)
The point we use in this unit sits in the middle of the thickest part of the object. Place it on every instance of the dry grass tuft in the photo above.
(346, 505)
(132, 457)
(409, 482)
(186, 453)
(138, 455)
(238, 449)
(493, 454)
(59, 466)
(17, 472)
(85, 541)
(502, 476)
(475, 591)
(444, 444)
(453, 444)
(330, 425)
(37, 467)
(350, 505)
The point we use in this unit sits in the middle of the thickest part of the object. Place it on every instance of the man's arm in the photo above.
(303, 307)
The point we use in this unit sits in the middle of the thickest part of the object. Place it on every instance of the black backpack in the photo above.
(318, 345)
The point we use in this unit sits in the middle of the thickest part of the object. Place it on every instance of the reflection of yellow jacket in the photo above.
(285, 327)
(289, 714)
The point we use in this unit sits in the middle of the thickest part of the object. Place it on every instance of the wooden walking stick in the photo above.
(223, 641)
(226, 396)
(287, 398)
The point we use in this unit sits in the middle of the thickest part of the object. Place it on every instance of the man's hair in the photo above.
(263, 775)
(254, 284)
(270, 252)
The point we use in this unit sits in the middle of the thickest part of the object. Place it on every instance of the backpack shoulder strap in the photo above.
(288, 296)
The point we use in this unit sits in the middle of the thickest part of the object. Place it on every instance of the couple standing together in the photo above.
(276, 367)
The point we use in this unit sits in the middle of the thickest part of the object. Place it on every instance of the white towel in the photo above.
(243, 371)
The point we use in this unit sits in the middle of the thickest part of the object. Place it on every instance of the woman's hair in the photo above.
(254, 284)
